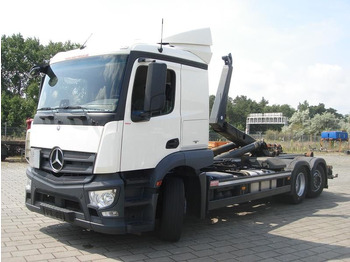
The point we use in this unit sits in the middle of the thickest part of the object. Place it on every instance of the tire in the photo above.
(173, 209)
(299, 185)
(317, 182)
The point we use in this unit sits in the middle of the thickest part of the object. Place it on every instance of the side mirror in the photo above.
(155, 88)
(34, 71)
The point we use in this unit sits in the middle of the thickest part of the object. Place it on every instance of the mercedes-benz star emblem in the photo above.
(56, 159)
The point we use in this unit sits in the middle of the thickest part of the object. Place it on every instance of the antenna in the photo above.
(160, 49)
(84, 45)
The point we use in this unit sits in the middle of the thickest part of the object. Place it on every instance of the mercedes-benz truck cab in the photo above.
(111, 124)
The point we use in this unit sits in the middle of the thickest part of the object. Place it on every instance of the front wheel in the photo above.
(299, 185)
(317, 182)
(173, 209)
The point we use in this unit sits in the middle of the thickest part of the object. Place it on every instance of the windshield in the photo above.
(92, 83)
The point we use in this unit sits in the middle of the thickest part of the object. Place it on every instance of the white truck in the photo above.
(119, 143)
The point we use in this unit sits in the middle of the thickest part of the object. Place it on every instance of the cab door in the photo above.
(146, 142)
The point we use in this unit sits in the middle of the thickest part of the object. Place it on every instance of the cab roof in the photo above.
(192, 45)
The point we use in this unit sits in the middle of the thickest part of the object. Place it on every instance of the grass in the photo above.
(303, 147)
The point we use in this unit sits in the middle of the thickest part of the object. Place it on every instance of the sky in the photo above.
(285, 51)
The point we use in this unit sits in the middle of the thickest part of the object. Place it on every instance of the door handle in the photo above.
(172, 143)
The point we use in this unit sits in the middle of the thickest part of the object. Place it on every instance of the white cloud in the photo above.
(329, 84)
(288, 65)
(318, 83)
(324, 72)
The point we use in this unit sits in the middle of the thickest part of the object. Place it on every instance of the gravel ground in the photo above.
(341, 166)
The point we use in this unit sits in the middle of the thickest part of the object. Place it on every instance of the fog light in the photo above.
(102, 198)
(110, 214)
(29, 185)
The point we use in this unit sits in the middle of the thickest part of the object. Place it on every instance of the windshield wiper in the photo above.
(71, 107)
(45, 108)
(49, 116)
(73, 116)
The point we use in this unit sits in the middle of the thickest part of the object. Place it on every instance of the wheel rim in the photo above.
(300, 184)
(316, 180)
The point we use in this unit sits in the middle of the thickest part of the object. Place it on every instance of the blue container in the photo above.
(335, 135)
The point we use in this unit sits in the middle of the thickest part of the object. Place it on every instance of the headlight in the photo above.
(29, 185)
(102, 198)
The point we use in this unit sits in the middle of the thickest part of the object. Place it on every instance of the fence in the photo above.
(12, 132)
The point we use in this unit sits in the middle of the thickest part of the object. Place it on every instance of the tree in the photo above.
(345, 124)
(19, 92)
(302, 107)
(263, 104)
(324, 122)
(237, 111)
(319, 109)
(285, 109)
(299, 123)
(314, 110)
(17, 56)
(240, 107)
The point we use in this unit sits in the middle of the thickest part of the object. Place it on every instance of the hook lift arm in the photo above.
(217, 118)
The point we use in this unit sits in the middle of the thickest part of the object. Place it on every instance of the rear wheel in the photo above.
(317, 182)
(299, 185)
(173, 209)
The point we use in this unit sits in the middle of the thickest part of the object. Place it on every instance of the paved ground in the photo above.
(316, 230)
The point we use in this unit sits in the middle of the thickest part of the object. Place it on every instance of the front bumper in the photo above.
(67, 200)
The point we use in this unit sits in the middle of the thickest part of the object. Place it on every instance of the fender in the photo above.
(299, 161)
(196, 159)
(314, 162)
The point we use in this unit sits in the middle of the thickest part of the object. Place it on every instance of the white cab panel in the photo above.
(67, 137)
(194, 108)
(192, 137)
(108, 157)
(144, 143)
(104, 141)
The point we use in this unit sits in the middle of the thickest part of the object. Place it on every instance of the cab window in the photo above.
(138, 94)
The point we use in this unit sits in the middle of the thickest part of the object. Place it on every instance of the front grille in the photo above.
(75, 163)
